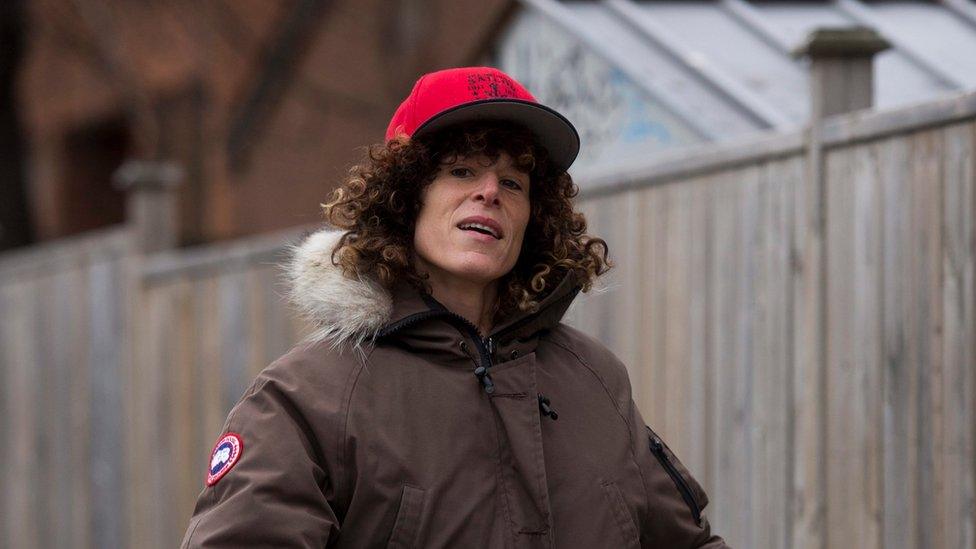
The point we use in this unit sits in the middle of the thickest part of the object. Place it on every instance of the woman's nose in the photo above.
(488, 188)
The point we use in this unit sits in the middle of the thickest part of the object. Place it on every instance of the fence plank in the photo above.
(79, 393)
(959, 298)
(107, 332)
(807, 455)
(158, 352)
(20, 360)
(927, 309)
(772, 389)
(700, 367)
(677, 355)
(853, 416)
(188, 468)
(732, 279)
(70, 457)
(6, 426)
(210, 387)
(899, 389)
(235, 343)
(653, 227)
(58, 406)
(745, 329)
(42, 337)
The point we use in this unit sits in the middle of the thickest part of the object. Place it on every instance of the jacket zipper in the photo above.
(657, 448)
(485, 345)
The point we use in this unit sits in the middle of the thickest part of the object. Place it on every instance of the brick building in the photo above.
(264, 104)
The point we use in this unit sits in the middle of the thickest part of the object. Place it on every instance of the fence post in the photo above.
(841, 80)
(842, 68)
(151, 202)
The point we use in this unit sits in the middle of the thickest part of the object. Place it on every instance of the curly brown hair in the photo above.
(379, 202)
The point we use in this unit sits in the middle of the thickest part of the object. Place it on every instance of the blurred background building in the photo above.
(265, 104)
(788, 189)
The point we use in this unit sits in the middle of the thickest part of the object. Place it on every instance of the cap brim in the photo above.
(552, 129)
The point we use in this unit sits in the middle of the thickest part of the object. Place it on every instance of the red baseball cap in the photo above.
(474, 94)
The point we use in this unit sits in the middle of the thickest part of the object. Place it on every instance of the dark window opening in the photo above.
(15, 219)
(92, 154)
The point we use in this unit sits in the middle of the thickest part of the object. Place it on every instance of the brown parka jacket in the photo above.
(377, 433)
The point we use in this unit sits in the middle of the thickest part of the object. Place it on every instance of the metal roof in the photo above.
(715, 70)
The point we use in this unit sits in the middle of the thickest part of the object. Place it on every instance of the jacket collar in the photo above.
(352, 311)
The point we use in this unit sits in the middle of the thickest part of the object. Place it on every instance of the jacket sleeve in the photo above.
(274, 495)
(676, 518)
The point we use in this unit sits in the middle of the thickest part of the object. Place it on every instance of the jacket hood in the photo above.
(355, 310)
(342, 309)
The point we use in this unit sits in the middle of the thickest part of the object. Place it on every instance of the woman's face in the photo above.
(472, 219)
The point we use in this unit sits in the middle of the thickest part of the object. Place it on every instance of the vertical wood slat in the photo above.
(154, 472)
(235, 341)
(6, 426)
(257, 317)
(772, 384)
(853, 361)
(187, 479)
(68, 387)
(900, 404)
(698, 403)
(80, 430)
(43, 484)
(927, 310)
(138, 420)
(807, 413)
(676, 337)
(21, 377)
(744, 327)
(959, 299)
(108, 332)
(653, 225)
(55, 402)
(728, 516)
(209, 387)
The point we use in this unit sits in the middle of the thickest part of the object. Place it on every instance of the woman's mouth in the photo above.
(482, 225)
(483, 229)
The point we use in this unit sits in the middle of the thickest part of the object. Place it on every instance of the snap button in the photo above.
(464, 346)
(515, 354)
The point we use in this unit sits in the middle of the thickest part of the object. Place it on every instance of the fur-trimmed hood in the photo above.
(346, 310)
(342, 309)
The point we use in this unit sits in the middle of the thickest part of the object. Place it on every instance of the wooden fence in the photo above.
(797, 313)
(64, 332)
(806, 342)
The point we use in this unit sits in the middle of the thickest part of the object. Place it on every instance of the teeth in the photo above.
(479, 226)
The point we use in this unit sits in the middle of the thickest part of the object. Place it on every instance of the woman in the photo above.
(423, 410)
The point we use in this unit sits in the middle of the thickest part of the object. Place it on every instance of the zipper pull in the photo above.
(657, 446)
(490, 345)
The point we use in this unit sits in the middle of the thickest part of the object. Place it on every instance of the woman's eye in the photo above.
(512, 184)
(461, 172)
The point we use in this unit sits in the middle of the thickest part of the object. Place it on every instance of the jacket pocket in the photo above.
(692, 492)
(407, 523)
(629, 536)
